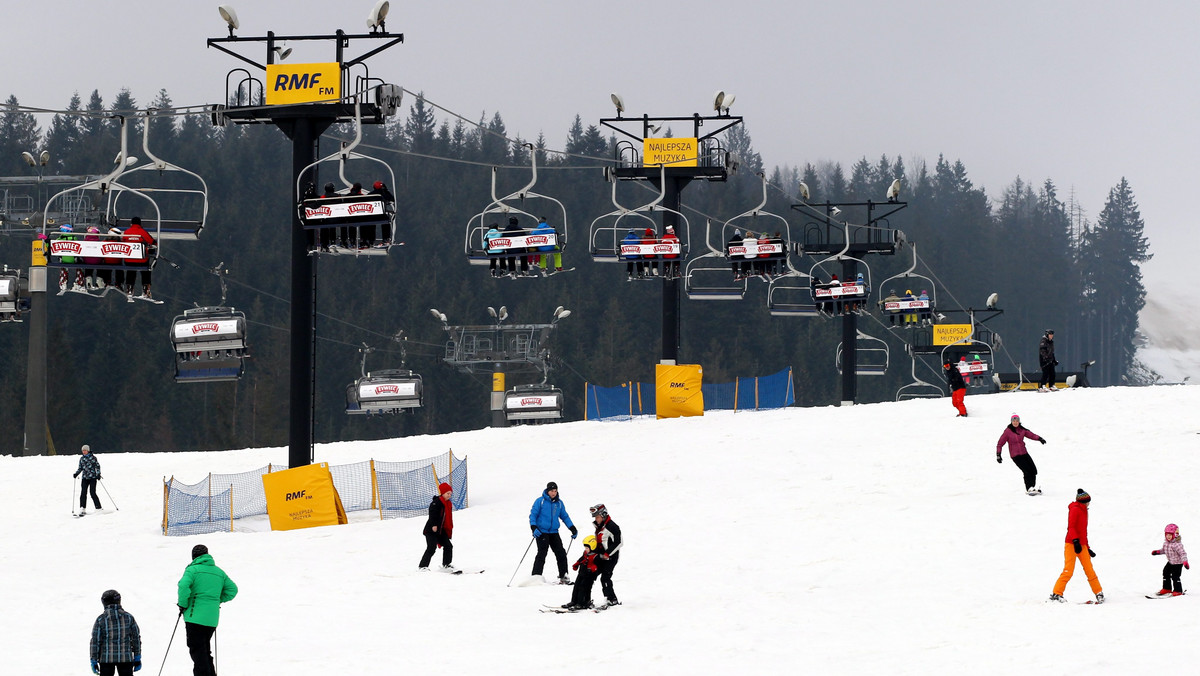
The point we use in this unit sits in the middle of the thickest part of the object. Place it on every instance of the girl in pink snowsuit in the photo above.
(1176, 561)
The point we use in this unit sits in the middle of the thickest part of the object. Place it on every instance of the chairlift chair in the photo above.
(507, 247)
(872, 355)
(757, 259)
(913, 311)
(183, 194)
(618, 237)
(918, 389)
(828, 298)
(387, 391)
(350, 213)
(790, 295)
(533, 403)
(210, 345)
(13, 304)
(707, 277)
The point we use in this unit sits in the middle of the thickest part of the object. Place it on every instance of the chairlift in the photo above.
(210, 342)
(504, 242)
(210, 345)
(973, 359)
(918, 389)
(913, 310)
(536, 403)
(13, 303)
(790, 295)
(630, 236)
(848, 295)
(109, 249)
(344, 222)
(382, 392)
(183, 194)
(872, 355)
(708, 277)
(755, 256)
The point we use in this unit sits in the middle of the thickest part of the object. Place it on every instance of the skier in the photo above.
(547, 511)
(116, 646)
(136, 233)
(1015, 435)
(493, 232)
(1077, 548)
(608, 545)
(581, 595)
(958, 388)
(1047, 361)
(671, 264)
(1177, 560)
(439, 529)
(89, 466)
(632, 260)
(202, 590)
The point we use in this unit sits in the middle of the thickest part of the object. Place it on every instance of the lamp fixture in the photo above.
(229, 16)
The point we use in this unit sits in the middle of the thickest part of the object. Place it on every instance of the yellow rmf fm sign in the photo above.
(673, 152)
(303, 82)
(949, 334)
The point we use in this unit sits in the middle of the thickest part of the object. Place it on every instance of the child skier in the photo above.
(116, 646)
(1177, 560)
(581, 593)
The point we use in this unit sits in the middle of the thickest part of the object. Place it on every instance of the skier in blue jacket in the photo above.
(547, 511)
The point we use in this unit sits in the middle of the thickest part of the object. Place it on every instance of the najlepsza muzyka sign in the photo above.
(949, 334)
(673, 152)
(96, 248)
(303, 83)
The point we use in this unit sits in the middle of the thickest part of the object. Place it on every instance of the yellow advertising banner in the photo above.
(677, 390)
(673, 152)
(39, 253)
(303, 82)
(498, 382)
(302, 497)
(948, 334)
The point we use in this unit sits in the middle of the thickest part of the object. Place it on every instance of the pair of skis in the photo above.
(558, 610)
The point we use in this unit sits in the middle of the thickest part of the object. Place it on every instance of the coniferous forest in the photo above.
(1054, 264)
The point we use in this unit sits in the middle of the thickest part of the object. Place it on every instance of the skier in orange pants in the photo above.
(1076, 547)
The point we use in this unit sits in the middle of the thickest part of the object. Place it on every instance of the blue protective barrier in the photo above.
(630, 400)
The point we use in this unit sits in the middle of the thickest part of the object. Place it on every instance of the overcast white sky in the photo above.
(1083, 92)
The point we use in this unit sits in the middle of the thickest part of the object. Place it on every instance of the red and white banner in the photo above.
(97, 249)
(838, 291)
(201, 329)
(335, 208)
(7, 287)
(741, 251)
(531, 401)
(651, 249)
(973, 367)
(384, 391)
(505, 243)
(898, 305)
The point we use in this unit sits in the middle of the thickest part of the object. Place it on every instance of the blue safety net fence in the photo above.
(630, 400)
(394, 489)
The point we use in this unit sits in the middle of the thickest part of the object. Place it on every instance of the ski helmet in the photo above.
(590, 542)
(112, 597)
(1171, 529)
(598, 510)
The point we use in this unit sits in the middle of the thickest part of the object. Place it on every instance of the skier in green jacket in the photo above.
(202, 590)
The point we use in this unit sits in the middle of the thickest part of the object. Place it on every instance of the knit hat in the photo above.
(112, 597)
(199, 550)
(444, 488)
(1082, 496)
(87, 448)
(378, 185)
(551, 486)
(1014, 417)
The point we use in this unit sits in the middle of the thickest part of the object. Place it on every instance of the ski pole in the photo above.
(164, 662)
(215, 651)
(514, 575)
(114, 502)
(72, 496)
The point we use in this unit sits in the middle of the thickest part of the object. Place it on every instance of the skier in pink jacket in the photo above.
(1015, 435)
(1177, 560)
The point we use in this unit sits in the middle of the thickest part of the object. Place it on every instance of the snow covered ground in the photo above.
(876, 539)
(1172, 346)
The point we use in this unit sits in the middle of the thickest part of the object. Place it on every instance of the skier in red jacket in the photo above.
(1077, 548)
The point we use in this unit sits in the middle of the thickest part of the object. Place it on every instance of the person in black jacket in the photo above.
(89, 467)
(116, 646)
(439, 528)
(608, 546)
(1047, 361)
(958, 388)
